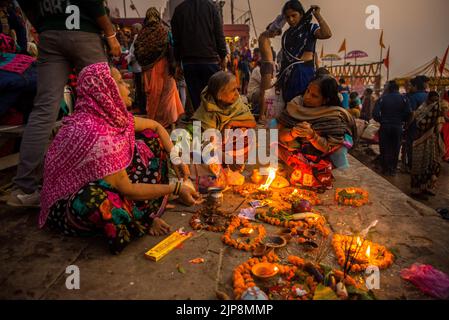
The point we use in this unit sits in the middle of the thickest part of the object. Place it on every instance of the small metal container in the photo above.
(215, 197)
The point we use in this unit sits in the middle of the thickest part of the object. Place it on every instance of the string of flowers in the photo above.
(291, 195)
(237, 223)
(243, 279)
(355, 197)
(197, 224)
(379, 256)
(295, 226)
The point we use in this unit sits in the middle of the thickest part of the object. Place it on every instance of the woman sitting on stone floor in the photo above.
(106, 171)
(222, 108)
(315, 134)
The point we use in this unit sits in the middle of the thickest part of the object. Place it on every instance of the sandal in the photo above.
(444, 212)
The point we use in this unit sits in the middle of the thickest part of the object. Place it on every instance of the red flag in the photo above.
(443, 62)
(381, 41)
(343, 47)
(387, 59)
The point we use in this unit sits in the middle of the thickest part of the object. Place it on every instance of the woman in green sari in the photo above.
(222, 108)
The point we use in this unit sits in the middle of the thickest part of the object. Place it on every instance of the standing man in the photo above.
(199, 44)
(69, 36)
(417, 95)
(392, 111)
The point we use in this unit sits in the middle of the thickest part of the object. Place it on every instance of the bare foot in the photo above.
(159, 228)
(170, 206)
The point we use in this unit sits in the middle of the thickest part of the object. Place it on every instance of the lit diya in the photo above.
(265, 270)
(246, 231)
(293, 195)
(359, 254)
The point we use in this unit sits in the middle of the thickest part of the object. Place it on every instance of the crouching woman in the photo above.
(315, 135)
(222, 108)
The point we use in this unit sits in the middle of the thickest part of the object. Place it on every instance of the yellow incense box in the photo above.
(166, 245)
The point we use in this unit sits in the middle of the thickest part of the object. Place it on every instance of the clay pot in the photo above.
(256, 178)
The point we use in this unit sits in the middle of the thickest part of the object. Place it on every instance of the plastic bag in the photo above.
(371, 131)
(429, 280)
(275, 104)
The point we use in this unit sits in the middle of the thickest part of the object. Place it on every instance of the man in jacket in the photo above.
(392, 111)
(199, 44)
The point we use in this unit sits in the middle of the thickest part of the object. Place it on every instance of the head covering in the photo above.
(152, 16)
(213, 116)
(152, 42)
(94, 142)
(329, 121)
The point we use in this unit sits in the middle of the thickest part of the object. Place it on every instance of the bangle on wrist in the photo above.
(177, 188)
(111, 36)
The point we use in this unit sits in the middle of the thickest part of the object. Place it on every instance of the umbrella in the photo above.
(331, 57)
(356, 54)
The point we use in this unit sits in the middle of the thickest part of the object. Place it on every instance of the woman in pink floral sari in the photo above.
(106, 172)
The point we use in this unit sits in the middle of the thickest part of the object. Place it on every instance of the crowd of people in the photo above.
(107, 170)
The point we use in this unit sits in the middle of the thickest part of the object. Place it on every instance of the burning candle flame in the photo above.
(368, 252)
(359, 242)
(270, 179)
(294, 192)
(246, 231)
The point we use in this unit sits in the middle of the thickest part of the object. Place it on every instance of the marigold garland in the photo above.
(197, 224)
(243, 223)
(243, 279)
(292, 194)
(295, 225)
(380, 255)
(355, 197)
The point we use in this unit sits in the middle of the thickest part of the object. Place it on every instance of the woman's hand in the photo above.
(159, 227)
(303, 130)
(114, 46)
(188, 196)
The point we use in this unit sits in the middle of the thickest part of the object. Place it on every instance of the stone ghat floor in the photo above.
(33, 262)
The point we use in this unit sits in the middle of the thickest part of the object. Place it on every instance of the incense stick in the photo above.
(347, 257)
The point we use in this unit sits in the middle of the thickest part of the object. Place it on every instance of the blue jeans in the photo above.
(197, 76)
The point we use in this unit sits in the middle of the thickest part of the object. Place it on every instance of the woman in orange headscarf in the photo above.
(152, 50)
